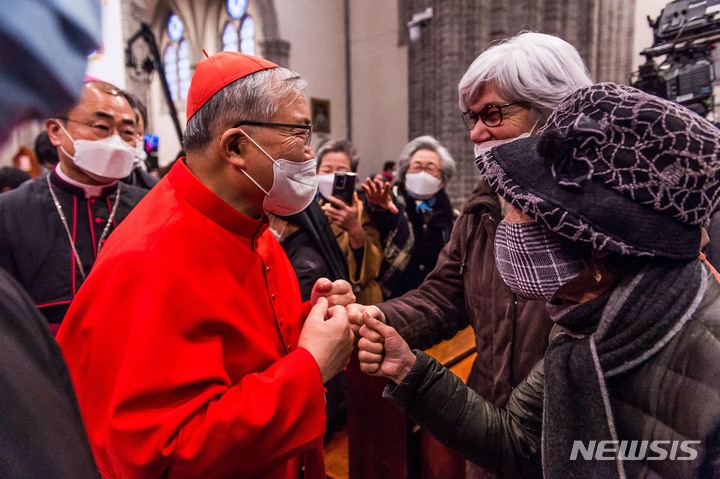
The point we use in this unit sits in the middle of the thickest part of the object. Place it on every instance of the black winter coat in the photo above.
(411, 240)
(675, 395)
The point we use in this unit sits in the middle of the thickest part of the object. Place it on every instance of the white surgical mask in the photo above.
(486, 146)
(423, 185)
(140, 155)
(102, 160)
(294, 185)
(325, 184)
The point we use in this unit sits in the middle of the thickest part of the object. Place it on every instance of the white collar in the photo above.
(91, 191)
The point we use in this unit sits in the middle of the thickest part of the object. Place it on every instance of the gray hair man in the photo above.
(210, 300)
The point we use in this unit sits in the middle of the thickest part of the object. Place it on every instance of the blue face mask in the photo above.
(533, 261)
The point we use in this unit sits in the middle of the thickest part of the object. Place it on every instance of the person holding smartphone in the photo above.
(355, 232)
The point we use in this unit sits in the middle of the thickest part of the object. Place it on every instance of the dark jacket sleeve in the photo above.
(503, 440)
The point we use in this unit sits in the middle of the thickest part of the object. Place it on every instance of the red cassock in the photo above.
(182, 346)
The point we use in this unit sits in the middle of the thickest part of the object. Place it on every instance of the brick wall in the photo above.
(462, 29)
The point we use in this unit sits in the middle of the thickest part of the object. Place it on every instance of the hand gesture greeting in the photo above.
(382, 352)
(378, 193)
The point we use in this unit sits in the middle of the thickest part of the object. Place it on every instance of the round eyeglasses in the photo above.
(491, 115)
(431, 168)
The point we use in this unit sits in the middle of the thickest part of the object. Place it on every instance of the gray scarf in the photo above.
(606, 337)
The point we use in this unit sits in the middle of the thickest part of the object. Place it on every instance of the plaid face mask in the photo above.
(533, 261)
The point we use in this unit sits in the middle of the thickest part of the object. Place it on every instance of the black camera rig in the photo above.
(685, 33)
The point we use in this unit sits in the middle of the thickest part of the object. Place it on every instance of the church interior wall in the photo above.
(377, 115)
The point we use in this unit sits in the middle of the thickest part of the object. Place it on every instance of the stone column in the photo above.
(277, 51)
(461, 29)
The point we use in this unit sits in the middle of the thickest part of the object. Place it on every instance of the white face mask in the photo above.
(486, 146)
(102, 160)
(423, 185)
(325, 184)
(294, 185)
(276, 234)
(140, 155)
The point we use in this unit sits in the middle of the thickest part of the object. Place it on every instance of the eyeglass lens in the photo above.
(101, 128)
(491, 116)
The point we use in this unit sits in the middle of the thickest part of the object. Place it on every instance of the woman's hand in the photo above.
(347, 217)
(378, 193)
(382, 352)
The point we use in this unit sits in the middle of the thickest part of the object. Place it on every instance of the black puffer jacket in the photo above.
(674, 396)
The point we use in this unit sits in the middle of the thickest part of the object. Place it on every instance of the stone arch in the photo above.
(202, 23)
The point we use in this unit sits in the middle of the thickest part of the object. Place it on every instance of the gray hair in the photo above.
(447, 162)
(536, 68)
(338, 146)
(256, 97)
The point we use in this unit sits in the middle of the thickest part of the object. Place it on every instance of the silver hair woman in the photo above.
(426, 142)
(507, 92)
(415, 216)
(535, 68)
(253, 98)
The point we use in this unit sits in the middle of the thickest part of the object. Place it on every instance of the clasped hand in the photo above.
(381, 350)
(332, 326)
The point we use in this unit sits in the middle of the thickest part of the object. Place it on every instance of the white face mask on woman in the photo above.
(485, 146)
(102, 160)
(294, 185)
(422, 186)
(325, 184)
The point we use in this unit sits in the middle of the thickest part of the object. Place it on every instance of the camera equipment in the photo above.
(684, 33)
(686, 17)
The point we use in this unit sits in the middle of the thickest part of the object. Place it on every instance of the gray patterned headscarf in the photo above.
(615, 167)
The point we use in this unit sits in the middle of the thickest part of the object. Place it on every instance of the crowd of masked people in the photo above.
(199, 325)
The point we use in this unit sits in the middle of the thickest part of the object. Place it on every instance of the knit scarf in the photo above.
(399, 242)
(605, 337)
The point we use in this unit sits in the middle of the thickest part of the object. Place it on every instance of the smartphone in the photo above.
(344, 186)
